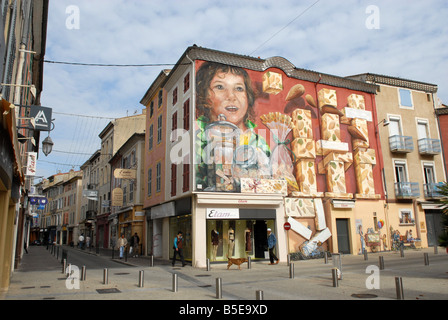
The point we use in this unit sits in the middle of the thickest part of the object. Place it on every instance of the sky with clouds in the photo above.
(406, 39)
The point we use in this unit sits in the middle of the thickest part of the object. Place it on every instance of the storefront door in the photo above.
(260, 238)
(342, 230)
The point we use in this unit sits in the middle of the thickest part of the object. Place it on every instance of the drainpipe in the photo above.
(22, 50)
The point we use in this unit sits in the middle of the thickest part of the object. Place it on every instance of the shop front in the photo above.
(225, 225)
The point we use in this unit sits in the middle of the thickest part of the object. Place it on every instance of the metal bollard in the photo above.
(140, 279)
(249, 263)
(208, 264)
(426, 258)
(259, 295)
(57, 254)
(436, 249)
(105, 276)
(64, 265)
(151, 261)
(381, 262)
(402, 251)
(175, 282)
(113, 253)
(399, 288)
(289, 259)
(83, 273)
(69, 270)
(126, 254)
(291, 270)
(218, 288)
(366, 257)
(326, 257)
(334, 274)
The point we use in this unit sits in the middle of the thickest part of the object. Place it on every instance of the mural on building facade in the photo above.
(264, 132)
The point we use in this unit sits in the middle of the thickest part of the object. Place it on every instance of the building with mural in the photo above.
(412, 155)
(252, 144)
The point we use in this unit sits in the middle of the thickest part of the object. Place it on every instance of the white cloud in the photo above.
(331, 37)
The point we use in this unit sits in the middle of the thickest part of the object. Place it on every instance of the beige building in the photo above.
(412, 155)
(113, 136)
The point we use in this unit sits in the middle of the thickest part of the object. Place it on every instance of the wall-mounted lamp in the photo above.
(385, 122)
(47, 145)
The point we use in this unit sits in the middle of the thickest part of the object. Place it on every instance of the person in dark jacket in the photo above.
(272, 241)
(178, 249)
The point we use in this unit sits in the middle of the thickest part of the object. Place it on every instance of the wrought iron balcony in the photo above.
(429, 146)
(407, 190)
(401, 144)
(432, 190)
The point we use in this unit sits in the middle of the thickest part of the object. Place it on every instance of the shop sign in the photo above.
(125, 173)
(228, 213)
(31, 164)
(117, 197)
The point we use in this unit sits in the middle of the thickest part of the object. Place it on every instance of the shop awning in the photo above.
(7, 110)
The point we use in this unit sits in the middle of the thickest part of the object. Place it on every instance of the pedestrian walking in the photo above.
(178, 249)
(272, 241)
(81, 241)
(121, 244)
(134, 242)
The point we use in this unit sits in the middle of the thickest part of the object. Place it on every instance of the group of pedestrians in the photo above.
(133, 242)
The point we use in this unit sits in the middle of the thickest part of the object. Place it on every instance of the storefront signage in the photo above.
(117, 197)
(31, 164)
(229, 213)
(125, 173)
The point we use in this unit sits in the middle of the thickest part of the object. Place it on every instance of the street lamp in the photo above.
(47, 145)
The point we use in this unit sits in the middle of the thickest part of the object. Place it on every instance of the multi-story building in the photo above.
(412, 155)
(154, 167)
(61, 216)
(113, 136)
(252, 144)
(72, 225)
(22, 49)
(127, 187)
(89, 201)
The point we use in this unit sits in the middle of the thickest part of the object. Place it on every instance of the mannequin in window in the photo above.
(215, 243)
(248, 239)
(231, 235)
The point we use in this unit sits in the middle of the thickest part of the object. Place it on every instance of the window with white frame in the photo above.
(405, 216)
(405, 98)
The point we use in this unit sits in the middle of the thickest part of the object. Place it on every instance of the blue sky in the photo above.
(406, 39)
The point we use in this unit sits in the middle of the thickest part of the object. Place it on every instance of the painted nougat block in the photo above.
(304, 148)
(360, 144)
(358, 129)
(364, 179)
(330, 126)
(305, 173)
(272, 82)
(346, 157)
(300, 228)
(320, 214)
(324, 147)
(366, 156)
(356, 101)
(299, 207)
(327, 97)
(303, 127)
(336, 177)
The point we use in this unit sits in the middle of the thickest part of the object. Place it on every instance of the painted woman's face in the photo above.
(228, 96)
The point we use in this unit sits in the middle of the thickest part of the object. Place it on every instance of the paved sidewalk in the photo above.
(40, 277)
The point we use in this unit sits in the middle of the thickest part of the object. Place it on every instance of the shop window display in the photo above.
(236, 239)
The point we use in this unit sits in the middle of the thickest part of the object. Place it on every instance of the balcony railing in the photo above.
(429, 146)
(401, 144)
(407, 190)
(432, 190)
